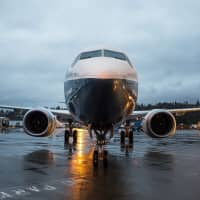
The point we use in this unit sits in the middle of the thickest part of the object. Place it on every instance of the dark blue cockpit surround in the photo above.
(100, 102)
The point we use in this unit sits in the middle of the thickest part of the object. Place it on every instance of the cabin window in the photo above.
(76, 59)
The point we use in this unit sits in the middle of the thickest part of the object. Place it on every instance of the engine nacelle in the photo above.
(159, 124)
(39, 122)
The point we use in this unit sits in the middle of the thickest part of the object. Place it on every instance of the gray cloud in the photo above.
(39, 40)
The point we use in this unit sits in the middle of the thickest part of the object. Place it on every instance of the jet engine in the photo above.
(159, 124)
(39, 122)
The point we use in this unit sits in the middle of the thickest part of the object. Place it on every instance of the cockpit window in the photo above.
(103, 53)
(90, 54)
(114, 54)
(76, 59)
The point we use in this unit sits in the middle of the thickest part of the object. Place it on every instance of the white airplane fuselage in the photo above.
(101, 90)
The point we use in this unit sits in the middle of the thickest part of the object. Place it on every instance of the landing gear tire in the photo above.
(99, 153)
(67, 133)
(75, 136)
(70, 136)
(130, 137)
(105, 158)
(122, 137)
(95, 158)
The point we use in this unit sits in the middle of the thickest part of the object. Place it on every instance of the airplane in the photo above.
(101, 90)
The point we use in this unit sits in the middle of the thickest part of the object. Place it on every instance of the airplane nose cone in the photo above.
(102, 101)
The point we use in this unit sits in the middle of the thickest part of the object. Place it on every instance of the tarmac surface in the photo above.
(43, 168)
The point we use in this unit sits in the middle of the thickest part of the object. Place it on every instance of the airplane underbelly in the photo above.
(100, 102)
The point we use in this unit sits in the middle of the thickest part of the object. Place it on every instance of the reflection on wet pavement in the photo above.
(42, 157)
(45, 168)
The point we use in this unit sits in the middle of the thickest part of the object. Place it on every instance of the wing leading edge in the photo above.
(177, 112)
(25, 109)
(133, 116)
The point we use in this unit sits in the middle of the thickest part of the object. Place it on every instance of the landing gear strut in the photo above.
(126, 133)
(100, 154)
(70, 135)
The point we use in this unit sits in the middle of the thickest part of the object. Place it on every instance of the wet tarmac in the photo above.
(43, 168)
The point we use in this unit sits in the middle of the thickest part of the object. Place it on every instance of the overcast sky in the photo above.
(40, 38)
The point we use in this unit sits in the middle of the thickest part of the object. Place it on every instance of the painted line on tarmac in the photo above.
(22, 191)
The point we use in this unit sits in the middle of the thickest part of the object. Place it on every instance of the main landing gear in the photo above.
(126, 133)
(126, 146)
(70, 135)
(100, 154)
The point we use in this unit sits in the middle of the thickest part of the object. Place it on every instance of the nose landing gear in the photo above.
(100, 154)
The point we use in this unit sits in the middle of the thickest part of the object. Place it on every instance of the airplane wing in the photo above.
(135, 114)
(66, 113)
(177, 112)
(158, 123)
(15, 108)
